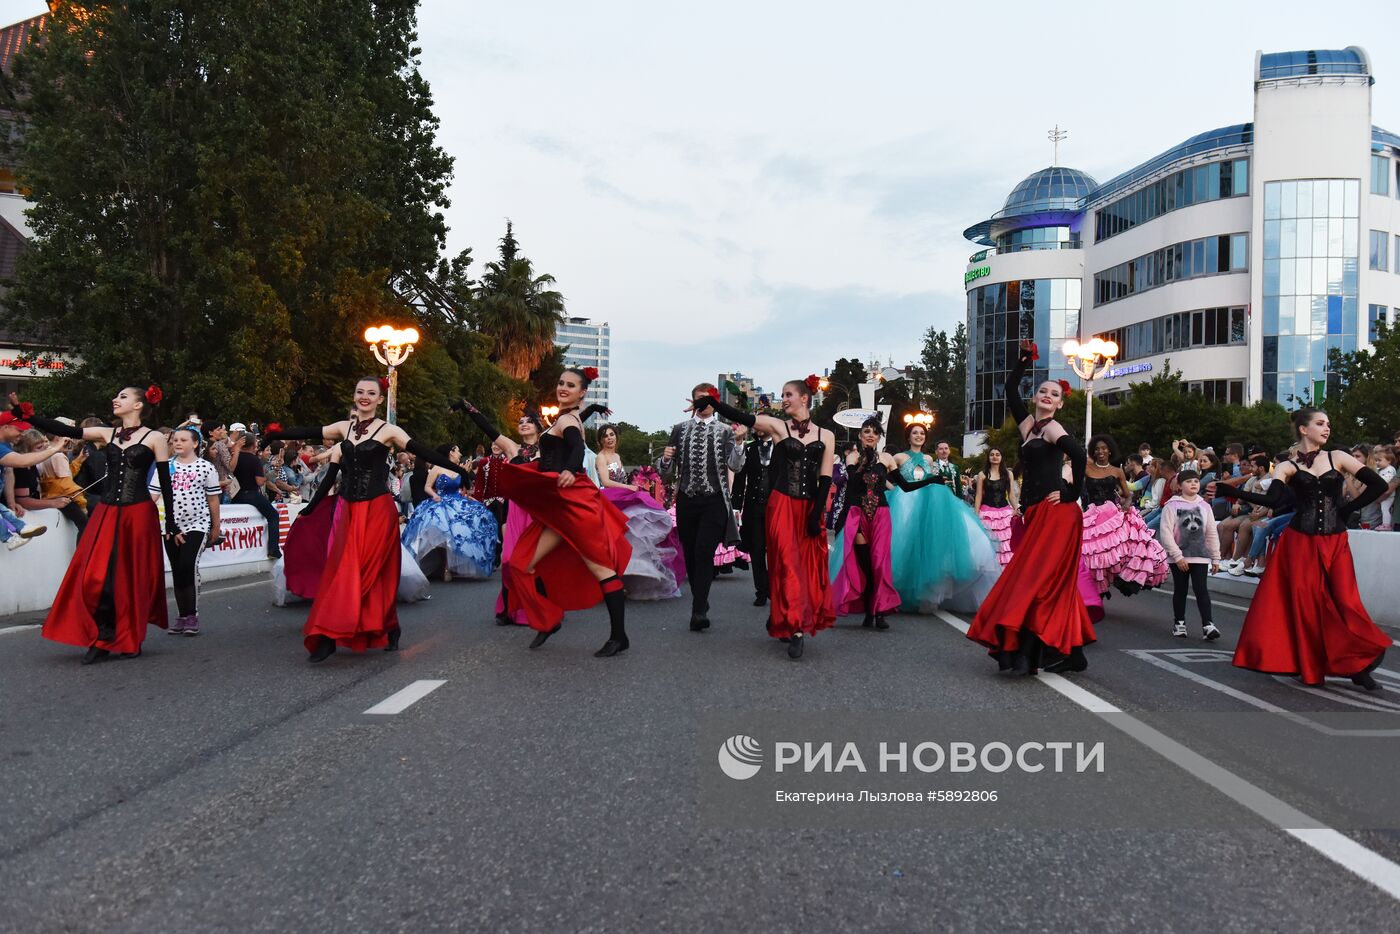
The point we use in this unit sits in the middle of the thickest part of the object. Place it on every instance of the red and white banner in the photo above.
(245, 535)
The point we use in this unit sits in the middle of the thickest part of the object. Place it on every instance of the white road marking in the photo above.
(402, 700)
(1340, 849)
(19, 628)
(213, 590)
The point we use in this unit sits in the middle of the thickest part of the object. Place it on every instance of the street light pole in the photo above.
(1090, 362)
(391, 347)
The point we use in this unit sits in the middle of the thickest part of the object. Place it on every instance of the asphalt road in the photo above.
(223, 784)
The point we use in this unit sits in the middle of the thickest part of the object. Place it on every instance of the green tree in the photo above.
(1367, 405)
(223, 193)
(517, 309)
(842, 392)
(943, 380)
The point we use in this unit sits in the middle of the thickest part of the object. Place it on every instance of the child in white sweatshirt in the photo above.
(1188, 534)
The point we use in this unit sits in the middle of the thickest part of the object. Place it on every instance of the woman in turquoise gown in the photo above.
(940, 551)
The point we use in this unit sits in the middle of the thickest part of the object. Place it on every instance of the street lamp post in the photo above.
(1090, 361)
(391, 347)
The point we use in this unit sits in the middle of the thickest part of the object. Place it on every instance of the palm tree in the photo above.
(517, 310)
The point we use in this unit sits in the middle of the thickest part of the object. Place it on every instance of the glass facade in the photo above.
(1380, 174)
(1182, 330)
(1190, 259)
(1038, 238)
(1210, 182)
(1375, 314)
(1003, 313)
(1311, 257)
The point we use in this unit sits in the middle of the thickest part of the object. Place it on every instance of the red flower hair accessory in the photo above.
(590, 373)
(273, 427)
(813, 382)
(713, 393)
(1065, 388)
(1035, 353)
(154, 395)
(26, 411)
(383, 384)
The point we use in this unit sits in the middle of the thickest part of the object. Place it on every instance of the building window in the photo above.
(1211, 182)
(998, 317)
(1204, 327)
(1380, 242)
(1310, 283)
(1380, 174)
(1038, 238)
(1375, 314)
(1209, 256)
(1220, 391)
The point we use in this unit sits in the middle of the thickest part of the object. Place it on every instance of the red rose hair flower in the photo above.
(383, 384)
(813, 382)
(713, 393)
(590, 373)
(26, 411)
(1035, 353)
(1065, 387)
(154, 395)
(273, 426)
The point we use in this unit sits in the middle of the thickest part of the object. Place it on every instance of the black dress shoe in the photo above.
(881, 622)
(394, 634)
(94, 654)
(1366, 681)
(612, 647)
(795, 646)
(760, 599)
(542, 637)
(868, 622)
(324, 650)
(1074, 661)
(699, 622)
(503, 619)
(136, 654)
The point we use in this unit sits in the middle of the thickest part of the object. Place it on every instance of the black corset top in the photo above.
(127, 471)
(1100, 490)
(795, 467)
(364, 470)
(994, 492)
(1042, 463)
(1316, 499)
(865, 487)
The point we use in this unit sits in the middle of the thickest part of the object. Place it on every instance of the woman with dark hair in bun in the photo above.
(115, 585)
(354, 602)
(464, 528)
(799, 582)
(1119, 549)
(1036, 603)
(487, 486)
(861, 570)
(574, 551)
(1307, 618)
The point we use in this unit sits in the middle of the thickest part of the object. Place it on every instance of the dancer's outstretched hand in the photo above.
(566, 479)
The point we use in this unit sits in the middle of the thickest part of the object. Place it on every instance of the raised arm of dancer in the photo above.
(509, 447)
(1014, 403)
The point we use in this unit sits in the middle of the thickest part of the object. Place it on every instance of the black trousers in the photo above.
(700, 523)
(183, 559)
(1197, 577)
(269, 512)
(76, 515)
(755, 541)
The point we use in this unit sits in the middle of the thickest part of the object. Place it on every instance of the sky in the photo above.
(766, 186)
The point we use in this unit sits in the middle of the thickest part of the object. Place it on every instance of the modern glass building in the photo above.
(587, 344)
(1236, 256)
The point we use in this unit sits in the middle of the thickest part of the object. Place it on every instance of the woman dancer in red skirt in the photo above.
(1307, 618)
(355, 605)
(1036, 603)
(799, 582)
(573, 553)
(864, 578)
(517, 519)
(115, 585)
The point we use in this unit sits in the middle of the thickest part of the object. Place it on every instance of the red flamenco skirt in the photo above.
(851, 583)
(517, 521)
(356, 597)
(1307, 618)
(592, 529)
(799, 584)
(1038, 592)
(115, 585)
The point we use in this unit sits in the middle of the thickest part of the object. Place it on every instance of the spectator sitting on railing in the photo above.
(13, 530)
(56, 477)
(28, 491)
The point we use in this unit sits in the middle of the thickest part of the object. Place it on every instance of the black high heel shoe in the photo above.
(394, 634)
(868, 622)
(94, 655)
(324, 650)
(612, 647)
(1365, 680)
(542, 637)
(881, 622)
(1074, 661)
(795, 646)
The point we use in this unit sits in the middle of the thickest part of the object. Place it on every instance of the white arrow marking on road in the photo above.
(19, 628)
(401, 701)
(1340, 849)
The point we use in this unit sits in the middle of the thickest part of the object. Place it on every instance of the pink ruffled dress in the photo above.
(1119, 548)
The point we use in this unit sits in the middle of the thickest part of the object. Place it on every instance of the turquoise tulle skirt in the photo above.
(940, 551)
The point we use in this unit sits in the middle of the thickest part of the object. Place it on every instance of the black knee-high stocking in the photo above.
(616, 602)
(862, 555)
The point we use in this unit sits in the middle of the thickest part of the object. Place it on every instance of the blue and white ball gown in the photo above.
(457, 523)
(940, 551)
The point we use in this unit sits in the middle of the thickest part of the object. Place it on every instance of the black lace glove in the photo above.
(425, 453)
(592, 410)
(818, 510)
(1375, 489)
(167, 496)
(50, 426)
(480, 420)
(746, 419)
(1272, 498)
(324, 488)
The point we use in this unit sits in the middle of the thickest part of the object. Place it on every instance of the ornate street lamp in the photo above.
(1090, 361)
(549, 413)
(919, 418)
(391, 347)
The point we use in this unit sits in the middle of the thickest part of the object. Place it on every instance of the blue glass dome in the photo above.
(1051, 189)
(1349, 61)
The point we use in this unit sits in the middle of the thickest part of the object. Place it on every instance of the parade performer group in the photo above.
(1036, 604)
(903, 538)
